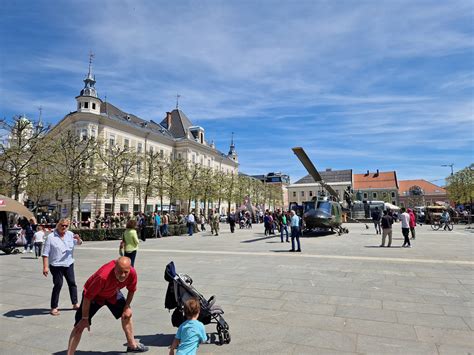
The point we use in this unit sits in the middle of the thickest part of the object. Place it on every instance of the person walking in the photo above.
(190, 220)
(283, 227)
(412, 222)
(203, 223)
(130, 241)
(58, 258)
(376, 219)
(142, 222)
(165, 222)
(215, 223)
(157, 225)
(231, 221)
(387, 222)
(295, 232)
(38, 239)
(405, 219)
(103, 289)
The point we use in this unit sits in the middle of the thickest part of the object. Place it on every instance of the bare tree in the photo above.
(118, 163)
(17, 153)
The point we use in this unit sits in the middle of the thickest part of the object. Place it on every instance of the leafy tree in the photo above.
(461, 185)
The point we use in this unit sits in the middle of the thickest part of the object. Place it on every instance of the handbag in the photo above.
(20, 240)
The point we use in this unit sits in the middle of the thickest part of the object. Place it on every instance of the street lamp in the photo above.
(451, 166)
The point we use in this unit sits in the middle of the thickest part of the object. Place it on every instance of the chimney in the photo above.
(168, 120)
(377, 173)
(367, 174)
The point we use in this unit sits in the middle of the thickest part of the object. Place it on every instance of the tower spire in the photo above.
(232, 153)
(177, 100)
(89, 81)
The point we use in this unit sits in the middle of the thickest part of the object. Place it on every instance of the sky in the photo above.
(360, 85)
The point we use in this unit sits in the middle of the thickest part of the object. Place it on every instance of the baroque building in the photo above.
(172, 136)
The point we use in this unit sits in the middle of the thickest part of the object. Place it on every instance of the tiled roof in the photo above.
(329, 176)
(382, 180)
(427, 187)
(180, 123)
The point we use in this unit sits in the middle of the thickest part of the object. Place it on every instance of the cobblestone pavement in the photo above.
(341, 295)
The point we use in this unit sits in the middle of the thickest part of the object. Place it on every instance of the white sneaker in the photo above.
(30, 251)
(24, 251)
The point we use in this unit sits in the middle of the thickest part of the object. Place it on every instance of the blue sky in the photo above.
(372, 85)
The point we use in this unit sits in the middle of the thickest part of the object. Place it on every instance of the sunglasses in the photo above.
(65, 225)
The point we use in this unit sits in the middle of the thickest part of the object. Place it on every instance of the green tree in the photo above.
(461, 185)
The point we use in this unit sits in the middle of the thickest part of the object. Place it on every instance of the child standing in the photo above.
(191, 333)
(38, 239)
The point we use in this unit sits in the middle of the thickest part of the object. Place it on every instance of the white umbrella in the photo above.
(391, 207)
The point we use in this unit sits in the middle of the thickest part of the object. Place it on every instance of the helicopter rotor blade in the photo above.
(308, 164)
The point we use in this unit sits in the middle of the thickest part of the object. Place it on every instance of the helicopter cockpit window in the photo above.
(308, 206)
(325, 206)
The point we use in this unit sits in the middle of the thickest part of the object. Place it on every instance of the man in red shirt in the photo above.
(103, 289)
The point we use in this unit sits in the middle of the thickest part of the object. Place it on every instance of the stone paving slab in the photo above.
(341, 295)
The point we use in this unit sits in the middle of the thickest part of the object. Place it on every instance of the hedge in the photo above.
(117, 233)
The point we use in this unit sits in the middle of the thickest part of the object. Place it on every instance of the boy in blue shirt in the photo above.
(191, 333)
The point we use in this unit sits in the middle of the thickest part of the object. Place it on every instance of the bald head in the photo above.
(122, 268)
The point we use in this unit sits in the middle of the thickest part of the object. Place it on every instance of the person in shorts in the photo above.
(103, 289)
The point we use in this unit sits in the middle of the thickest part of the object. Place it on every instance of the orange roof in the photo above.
(427, 187)
(382, 180)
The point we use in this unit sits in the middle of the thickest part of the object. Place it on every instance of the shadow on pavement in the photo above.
(378, 247)
(27, 312)
(160, 340)
(91, 352)
(258, 239)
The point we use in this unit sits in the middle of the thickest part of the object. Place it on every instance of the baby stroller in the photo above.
(179, 290)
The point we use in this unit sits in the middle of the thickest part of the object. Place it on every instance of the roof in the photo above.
(328, 176)
(380, 180)
(180, 123)
(115, 113)
(427, 187)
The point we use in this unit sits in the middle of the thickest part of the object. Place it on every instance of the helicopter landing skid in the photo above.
(341, 230)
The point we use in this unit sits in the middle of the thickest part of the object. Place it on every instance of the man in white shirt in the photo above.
(405, 219)
(190, 223)
(38, 240)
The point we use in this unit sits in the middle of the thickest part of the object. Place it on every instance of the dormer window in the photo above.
(86, 105)
(93, 105)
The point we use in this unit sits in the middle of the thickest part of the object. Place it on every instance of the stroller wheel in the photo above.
(221, 339)
(227, 337)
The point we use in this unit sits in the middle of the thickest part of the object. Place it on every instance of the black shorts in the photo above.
(116, 308)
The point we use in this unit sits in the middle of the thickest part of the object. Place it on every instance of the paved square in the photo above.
(341, 295)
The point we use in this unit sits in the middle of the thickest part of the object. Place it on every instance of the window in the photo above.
(84, 134)
(202, 160)
(78, 105)
(109, 188)
(374, 195)
(126, 143)
(139, 167)
(125, 190)
(194, 158)
(393, 194)
(86, 105)
(93, 132)
(310, 193)
(179, 155)
(152, 149)
(366, 195)
(302, 193)
(111, 140)
(294, 193)
(136, 208)
(93, 105)
(139, 147)
(161, 153)
(124, 207)
(208, 162)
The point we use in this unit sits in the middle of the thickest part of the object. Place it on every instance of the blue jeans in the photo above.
(190, 228)
(295, 234)
(164, 230)
(283, 228)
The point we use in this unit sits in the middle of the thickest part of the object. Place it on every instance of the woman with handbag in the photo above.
(130, 241)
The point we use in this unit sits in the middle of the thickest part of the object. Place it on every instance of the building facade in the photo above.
(414, 193)
(306, 189)
(377, 186)
(173, 137)
(279, 179)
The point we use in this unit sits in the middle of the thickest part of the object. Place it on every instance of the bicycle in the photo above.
(436, 225)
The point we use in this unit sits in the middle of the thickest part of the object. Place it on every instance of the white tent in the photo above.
(389, 206)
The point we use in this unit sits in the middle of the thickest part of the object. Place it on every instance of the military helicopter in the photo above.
(324, 213)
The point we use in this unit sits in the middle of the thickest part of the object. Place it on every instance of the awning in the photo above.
(391, 207)
(9, 205)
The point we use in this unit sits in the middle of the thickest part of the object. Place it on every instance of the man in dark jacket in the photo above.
(376, 219)
(387, 222)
